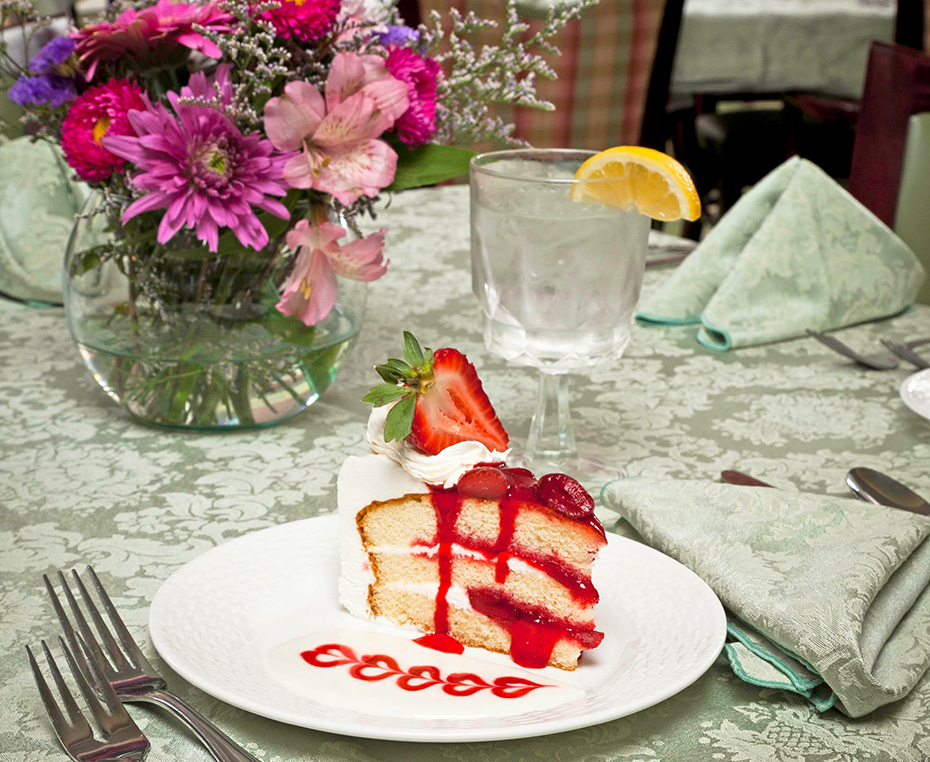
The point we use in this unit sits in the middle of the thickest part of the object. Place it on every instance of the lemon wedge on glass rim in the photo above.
(638, 178)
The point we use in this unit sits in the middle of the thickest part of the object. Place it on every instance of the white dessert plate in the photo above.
(256, 623)
(915, 391)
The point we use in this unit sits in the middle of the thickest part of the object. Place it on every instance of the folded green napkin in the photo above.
(795, 252)
(38, 200)
(827, 597)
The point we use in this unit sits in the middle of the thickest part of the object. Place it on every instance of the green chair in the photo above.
(911, 216)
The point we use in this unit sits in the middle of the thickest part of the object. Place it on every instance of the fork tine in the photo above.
(830, 341)
(76, 727)
(129, 643)
(112, 715)
(834, 343)
(65, 621)
(917, 342)
(92, 642)
(103, 715)
(905, 353)
(116, 655)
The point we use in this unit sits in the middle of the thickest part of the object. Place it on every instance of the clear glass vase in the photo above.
(185, 339)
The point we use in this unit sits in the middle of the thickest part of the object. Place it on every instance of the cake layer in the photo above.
(469, 570)
(529, 646)
(567, 548)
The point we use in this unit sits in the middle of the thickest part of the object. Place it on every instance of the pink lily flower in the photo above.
(310, 291)
(338, 134)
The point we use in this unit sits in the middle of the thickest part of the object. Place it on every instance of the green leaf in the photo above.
(381, 395)
(395, 371)
(428, 165)
(399, 422)
(413, 354)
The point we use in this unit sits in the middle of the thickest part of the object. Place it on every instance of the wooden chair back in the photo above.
(897, 86)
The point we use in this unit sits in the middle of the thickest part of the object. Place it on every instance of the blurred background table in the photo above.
(778, 46)
(80, 482)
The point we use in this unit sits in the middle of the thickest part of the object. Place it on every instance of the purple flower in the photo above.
(53, 54)
(398, 35)
(203, 172)
(47, 90)
(215, 90)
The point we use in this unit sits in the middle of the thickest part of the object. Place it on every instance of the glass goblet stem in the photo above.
(552, 435)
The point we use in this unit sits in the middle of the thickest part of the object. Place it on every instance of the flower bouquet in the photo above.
(215, 276)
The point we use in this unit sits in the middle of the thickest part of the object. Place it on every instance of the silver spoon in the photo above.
(868, 485)
(878, 488)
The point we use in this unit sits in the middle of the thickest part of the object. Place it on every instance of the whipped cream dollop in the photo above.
(445, 468)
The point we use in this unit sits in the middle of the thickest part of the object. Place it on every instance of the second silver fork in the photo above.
(884, 361)
(126, 669)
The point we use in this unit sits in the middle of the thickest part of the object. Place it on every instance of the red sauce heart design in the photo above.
(513, 687)
(375, 667)
(324, 656)
(418, 678)
(464, 684)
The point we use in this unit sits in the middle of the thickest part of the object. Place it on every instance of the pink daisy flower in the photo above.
(215, 89)
(98, 112)
(310, 291)
(156, 35)
(303, 20)
(203, 172)
(417, 125)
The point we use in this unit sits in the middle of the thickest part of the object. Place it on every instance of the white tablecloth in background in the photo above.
(773, 46)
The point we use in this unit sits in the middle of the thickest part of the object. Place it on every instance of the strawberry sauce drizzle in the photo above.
(508, 524)
(438, 641)
(533, 634)
(447, 503)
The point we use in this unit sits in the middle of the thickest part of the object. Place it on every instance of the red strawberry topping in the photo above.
(520, 477)
(439, 400)
(454, 408)
(566, 496)
(484, 482)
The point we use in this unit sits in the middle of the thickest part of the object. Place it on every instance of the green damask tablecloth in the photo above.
(81, 483)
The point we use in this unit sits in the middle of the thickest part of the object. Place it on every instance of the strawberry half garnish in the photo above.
(439, 400)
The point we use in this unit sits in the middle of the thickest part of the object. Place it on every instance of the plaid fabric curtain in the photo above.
(603, 71)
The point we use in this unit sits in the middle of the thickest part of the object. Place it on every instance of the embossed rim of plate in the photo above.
(915, 392)
(680, 622)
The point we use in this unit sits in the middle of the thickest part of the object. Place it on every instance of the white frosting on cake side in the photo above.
(362, 480)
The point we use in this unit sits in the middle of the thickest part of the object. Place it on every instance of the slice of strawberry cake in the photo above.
(438, 533)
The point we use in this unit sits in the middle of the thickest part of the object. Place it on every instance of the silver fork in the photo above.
(906, 353)
(122, 740)
(129, 673)
(876, 362)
